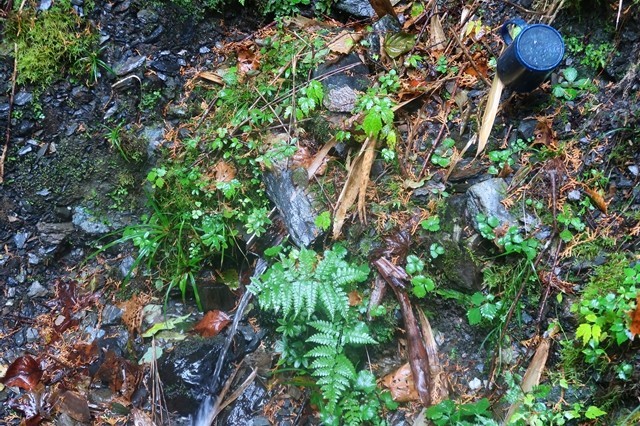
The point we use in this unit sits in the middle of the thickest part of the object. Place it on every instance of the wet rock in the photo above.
(23, 128)
(19, 338)
(129, 65)
(475, 384)
(573, 195)
(37, 290)
(185, 370)
(147, 16)
(485, 198)
(341, 86)
(293, 202)
(526, 128)
(359, 8)
(22, 98)
(152, 314)
(33, 259)
(167, 65)
(20, 239)
(111, 315)
(54, 233)
(154, 135)
(85, 220)
(25, 150)
(247, 407)
(122, 6)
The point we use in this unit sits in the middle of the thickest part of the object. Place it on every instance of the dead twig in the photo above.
(5, 147)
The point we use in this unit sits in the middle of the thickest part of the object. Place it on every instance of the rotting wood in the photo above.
(418, 357)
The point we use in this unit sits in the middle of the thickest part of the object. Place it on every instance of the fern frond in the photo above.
(357, 335)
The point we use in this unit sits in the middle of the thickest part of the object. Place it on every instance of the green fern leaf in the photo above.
(358, 335)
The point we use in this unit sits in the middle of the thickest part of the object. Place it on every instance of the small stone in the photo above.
(204, 49)
(45, 5)
(54, 233)
(25, 150)
(77, 2)
(83, 219)
(20, 239)
(122, 7)
(31, 334)
(126, 267)
(475, 384)
(634, 170)
(60, 319)
(22, 98)
(130, 65)
(18, 338)
(33, 259)
(573, 195)
(111, 315)
(152, 314)
(43, 192)
(37, 290)
(359, 8)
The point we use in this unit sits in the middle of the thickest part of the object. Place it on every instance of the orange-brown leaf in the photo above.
(24, 373)
(212, 323)
(401, 385)
(544, 134)
(635, 319)
(355, 298)
(597, 199)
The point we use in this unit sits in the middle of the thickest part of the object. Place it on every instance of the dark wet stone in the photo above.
(526, 128)
(185, 372)
(122, 7)
(54, 233)
(22, 98)
(77, 2)
(359, 8)
(25, 150)
(294, 203)
(154, 36)
(167, 65)
(111, 315)
(388, 24)
(147, 16)
(23, 128)
(247, 407)
(129, 65)
(33, 259)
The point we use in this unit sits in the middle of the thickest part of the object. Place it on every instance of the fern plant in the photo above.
(318, 327)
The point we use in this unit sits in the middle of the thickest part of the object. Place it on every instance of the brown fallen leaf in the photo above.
(544, 134)
(401, 385)
(597, 199)
(212, 323)
(23, 373)
(75, 406)
(355, 298)
(437, 38)
(224, 172)
(344, 42)
(211, 76)
(635, 319)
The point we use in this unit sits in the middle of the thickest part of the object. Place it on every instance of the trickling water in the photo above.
(205, 414)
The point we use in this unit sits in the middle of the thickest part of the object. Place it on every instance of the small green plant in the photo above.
(593, 55)
(443, 153)
(571, 222)
(505, 157)
(511, 240)
(150, 99)
(569, 86)
(377, 107)
(420, 283)
(483, 308)
(443, 66)
(319, 329)
(448, 413)
(431, 224)
(604, 318)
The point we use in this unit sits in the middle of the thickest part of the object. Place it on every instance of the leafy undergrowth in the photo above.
(560, 280)
(260, 108)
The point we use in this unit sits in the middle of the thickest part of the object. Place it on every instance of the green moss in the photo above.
(50, 43)
(606, 278)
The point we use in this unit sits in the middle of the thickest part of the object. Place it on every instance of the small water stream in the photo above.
(208, 410)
